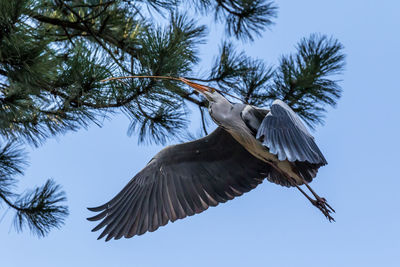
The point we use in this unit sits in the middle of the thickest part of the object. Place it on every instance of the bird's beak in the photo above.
(198, 87)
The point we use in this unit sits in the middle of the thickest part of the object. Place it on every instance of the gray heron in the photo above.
(249, 145)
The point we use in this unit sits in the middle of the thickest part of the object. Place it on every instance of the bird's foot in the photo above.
(318, 202)
(321, 204)
(324, 207)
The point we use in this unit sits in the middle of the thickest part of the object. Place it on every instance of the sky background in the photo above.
(271, 225)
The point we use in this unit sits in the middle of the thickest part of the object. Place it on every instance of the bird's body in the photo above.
(234, 124)
(249, 145)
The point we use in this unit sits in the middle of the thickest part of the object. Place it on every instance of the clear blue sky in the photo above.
(271, 225)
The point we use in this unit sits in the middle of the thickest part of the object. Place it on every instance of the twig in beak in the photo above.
(181, 79)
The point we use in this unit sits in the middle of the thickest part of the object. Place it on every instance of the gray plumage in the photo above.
(250, 145)
(285, 135)
(253, 116)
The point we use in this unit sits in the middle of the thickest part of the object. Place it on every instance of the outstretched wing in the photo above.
(285, 135)
(180, 181)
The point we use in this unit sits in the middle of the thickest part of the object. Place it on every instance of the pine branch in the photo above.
(89, 29)
(228, 66)
(245, 18)
(39, 209)
(11, 159)
(81, 28)
(12, 162)
(304, 80)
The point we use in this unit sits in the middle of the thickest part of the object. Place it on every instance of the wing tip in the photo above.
(99, 208)
(92, 219)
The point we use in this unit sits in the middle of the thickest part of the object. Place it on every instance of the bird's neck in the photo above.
(221, 112)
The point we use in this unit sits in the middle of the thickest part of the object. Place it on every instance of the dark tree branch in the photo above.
(94, 35)
(68, 35)
(80, 27)
(203, 122)
(106, 4)
(9, 203)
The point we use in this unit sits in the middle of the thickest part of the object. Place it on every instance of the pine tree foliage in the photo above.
(54, 54)
(306, 80)
(243, 18)
(40, 209)
(12, 162)
(246, 77)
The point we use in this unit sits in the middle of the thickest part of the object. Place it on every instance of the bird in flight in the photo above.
(249, 145)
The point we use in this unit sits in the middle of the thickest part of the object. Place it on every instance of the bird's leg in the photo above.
(320, 199)
(319, 202)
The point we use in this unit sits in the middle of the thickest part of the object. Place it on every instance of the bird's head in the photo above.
(219, 107)
(210, 93)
